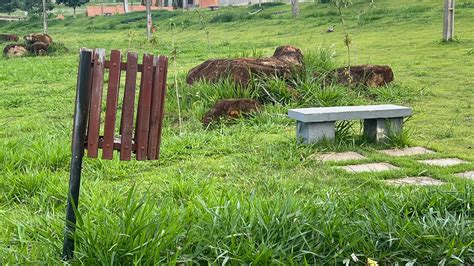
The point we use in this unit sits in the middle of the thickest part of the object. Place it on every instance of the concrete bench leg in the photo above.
(377, 130)
(314, 132)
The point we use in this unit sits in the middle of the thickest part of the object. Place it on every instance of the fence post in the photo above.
(448, 29)
(78, 138)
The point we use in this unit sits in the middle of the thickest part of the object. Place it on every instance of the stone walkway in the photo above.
(418, 180)
(341, 156)
(443, 162)
(467, 175)
(407, 151)
(368, 167)
(384, 166)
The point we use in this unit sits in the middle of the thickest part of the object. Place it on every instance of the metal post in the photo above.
(78, 138)
(448, 29)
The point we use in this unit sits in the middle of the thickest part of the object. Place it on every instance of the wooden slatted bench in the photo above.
(140, 124)
(380, 121)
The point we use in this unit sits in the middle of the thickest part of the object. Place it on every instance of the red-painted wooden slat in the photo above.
(162, 104)
(95, 103)
(128, 107)
(143, 110)
(111, 104)
(157, 107)
(90, 89)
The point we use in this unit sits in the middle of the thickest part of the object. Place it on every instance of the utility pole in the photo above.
(148, 19)
(45, 18)
(448, 29)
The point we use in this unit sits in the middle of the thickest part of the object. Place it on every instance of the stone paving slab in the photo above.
(340, 156)
(417, 180)
(369, 167)
(407, 151)
(444, 162)
(468, 175)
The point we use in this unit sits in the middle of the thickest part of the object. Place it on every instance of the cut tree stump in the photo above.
(284, 62)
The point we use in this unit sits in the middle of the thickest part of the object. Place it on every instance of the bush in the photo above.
(224, 17)
(132, 19)
(230, 17)
(271, 4)
(57, 48)
(465, 5)
(163, 14)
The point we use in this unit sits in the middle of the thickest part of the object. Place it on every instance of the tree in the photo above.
(295, 10)
(125, 6)
(72, 3)
(45, 18)
(8, 6)
(148, 19)
(448, 29)
(34, 6)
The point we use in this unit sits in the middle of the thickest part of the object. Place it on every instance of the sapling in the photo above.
(339, 4)
(174, 55)
(204, 26)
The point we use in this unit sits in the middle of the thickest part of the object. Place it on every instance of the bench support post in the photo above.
(315, 132)
(380, 129)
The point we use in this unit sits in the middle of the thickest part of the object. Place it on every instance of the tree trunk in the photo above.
(148, 19)
(295, 10)
(74, 11)
(45, 18)
(448, 29)
(125, 6)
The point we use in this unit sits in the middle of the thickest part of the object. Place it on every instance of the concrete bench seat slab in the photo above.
(380, 121)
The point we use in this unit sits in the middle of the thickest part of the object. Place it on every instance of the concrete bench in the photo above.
(380, 121)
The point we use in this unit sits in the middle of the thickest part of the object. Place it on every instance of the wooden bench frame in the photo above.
(142, 138)
(380, 121)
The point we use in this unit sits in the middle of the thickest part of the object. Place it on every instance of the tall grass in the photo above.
(237, 228)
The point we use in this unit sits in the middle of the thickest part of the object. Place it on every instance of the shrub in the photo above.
(130, 20)
(224, 17)
(163, 14)
(465, 5)
(272, 4)
(57, 48)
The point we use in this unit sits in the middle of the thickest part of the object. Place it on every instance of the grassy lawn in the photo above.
(244, 191)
